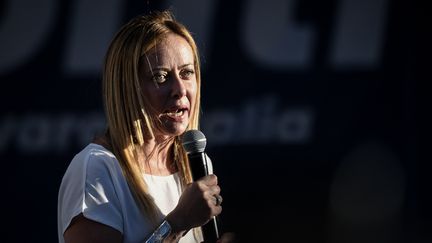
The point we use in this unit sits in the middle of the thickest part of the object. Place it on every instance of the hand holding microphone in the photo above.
(194, 142)
(200, 201)
(197, 204)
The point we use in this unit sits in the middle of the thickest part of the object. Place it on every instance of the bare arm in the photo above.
(83, 230)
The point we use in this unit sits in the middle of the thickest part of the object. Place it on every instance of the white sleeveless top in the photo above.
(94, 185)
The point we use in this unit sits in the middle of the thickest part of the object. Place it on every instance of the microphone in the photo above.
(194, 143)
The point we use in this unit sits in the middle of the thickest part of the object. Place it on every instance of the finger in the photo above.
(218, 199)
(215, 190)
(213, 200)
(209, 180)
(216, 210)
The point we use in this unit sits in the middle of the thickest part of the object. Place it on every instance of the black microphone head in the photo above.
(194, 141)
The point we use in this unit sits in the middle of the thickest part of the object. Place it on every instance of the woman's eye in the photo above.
(187, 73)
(159, 77)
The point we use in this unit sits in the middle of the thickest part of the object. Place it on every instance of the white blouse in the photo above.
(94, 185)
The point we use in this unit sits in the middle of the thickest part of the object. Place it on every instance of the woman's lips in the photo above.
(176, 115)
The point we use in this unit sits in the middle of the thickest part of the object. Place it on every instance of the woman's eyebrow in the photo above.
(185, 65)
(162, 68)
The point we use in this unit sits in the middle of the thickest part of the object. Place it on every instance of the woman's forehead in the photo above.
(171, 50)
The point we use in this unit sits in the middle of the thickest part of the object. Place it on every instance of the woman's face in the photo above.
(169, 83)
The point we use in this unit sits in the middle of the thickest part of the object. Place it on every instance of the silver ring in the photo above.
(218, 199)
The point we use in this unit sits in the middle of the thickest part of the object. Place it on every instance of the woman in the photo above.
(134, 183)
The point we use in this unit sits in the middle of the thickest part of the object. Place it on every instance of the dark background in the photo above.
(311, 110)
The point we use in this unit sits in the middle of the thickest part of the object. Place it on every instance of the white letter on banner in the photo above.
(359, 34)
(271, 37)
(93, 25)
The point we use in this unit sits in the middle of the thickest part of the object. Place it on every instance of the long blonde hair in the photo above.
(128, 115)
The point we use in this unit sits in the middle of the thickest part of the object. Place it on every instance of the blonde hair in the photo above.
(128, 115)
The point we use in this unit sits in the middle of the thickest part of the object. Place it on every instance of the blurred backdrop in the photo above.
(309, 107)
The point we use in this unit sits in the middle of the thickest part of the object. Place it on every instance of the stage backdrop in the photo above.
(309, 108)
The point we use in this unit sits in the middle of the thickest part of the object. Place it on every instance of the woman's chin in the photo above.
(175, 130)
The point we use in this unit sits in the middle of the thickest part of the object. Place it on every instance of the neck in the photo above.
(157, 156)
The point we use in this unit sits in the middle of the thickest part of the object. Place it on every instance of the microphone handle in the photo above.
(199, 168)
(198, 165)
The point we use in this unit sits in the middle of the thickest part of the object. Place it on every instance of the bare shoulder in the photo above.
(84, 230)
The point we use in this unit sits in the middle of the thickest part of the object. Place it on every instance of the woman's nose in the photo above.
(178, 89)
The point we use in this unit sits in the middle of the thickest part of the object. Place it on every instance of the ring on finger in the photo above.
(218, 199)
